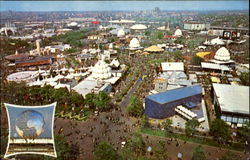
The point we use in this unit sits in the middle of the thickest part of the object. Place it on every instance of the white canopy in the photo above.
(217, 41)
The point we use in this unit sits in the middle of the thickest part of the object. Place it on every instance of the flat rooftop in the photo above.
(176, 94)
(232, 98)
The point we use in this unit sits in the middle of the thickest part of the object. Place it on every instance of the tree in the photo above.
(147, 33)
(135, 147)
(89, 100)
(101, 101)
(190, 126)
(220, 130)
(167, 126)
(145, 122)
(177, 55)
(229, 156)
(135, 107)
(160, 35)
(243, 133)
(160, 151)
(198, 153)
(244, 76)
(196, 60)
(104, 151)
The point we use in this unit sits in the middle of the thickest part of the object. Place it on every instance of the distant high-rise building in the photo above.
(157, 9)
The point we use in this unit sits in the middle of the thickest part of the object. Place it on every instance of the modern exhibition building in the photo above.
(162, 105)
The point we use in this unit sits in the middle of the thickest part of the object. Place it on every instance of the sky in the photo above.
(122, 5)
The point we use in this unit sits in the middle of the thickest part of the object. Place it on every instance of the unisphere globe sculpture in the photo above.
(30, 124)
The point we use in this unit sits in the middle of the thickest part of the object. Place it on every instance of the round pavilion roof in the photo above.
(222, 54)
(138, 27)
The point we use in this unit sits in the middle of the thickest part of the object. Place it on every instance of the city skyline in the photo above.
(122, 5)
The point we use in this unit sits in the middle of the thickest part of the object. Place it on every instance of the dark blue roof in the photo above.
(175, 94)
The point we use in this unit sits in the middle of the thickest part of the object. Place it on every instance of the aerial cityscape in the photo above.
(124, 80)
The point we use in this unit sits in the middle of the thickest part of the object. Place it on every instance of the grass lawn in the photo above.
(198, 140)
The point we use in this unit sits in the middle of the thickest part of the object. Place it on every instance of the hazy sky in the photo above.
(121, 5)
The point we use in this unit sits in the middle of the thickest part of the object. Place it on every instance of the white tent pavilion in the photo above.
(69, 76)
(71, 70)
(59, 76)
(51, 83)
(45, 74)
(64, 69)
(36, 83)
(60, 85)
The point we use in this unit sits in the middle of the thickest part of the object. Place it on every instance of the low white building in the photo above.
(196, 26)
(172, 66)
(233, 103)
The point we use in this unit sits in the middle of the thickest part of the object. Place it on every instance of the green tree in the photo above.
(243, 133)
(145, 122)
(220, 130)
(229, 156)
(89, 100)
(135, 107)
(198, 153)
(177, 55)
(160, 35)
(104, 151)
(196, 60)
(102, 101)
(147, 33)
(244, 77)
(190, 126)
(167, 126)
(135, 147)
(160, 151)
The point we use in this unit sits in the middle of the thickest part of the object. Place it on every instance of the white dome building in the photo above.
(134, 43)
(120, 33)
(222, 54)
(217, 41)
(101, 70)
(178, 33)
(138, 27)
(72, 24)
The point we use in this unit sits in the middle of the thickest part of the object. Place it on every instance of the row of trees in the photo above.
(19, 93)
